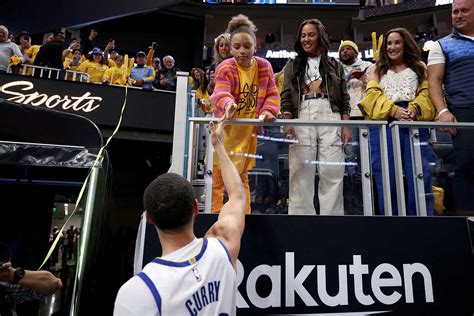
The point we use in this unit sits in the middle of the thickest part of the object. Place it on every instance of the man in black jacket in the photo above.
(51, 54)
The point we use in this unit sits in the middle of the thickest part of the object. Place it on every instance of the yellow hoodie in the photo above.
(114, 75)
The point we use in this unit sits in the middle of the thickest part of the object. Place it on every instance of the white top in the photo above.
(356, 87)
(400, 86)
(436, 55)
(312, 70)
(196, 279)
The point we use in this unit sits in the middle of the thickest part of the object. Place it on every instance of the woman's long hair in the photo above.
(299, 68)
(202, 83)
(411, 55)
(217, 56)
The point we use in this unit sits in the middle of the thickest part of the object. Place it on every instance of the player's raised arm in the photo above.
(231, 222)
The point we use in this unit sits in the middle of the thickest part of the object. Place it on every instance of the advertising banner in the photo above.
(318, 265)
(146, 110)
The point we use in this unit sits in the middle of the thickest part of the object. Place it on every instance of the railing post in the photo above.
(85, 235)
(365, 171)
(397, 159)
(208, 173)
(191, 151)
(417, 166)
(387, 196)
(180, 121)
(365, 157)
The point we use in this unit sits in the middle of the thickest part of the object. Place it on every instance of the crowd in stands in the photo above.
(375, 8)
(107, 66)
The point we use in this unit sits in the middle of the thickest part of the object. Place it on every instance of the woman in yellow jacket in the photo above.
(95, 67)
(398, 90)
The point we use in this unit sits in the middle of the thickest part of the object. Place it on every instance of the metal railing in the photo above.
(185, 140)
(417, 160)
(364, 153)
(50, 73)
(65, 74)
(187, 129)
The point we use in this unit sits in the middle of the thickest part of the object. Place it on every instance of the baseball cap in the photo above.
(23, 33)
(97, 50)
(141, 53)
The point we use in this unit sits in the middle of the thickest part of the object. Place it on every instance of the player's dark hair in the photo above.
(169, 200)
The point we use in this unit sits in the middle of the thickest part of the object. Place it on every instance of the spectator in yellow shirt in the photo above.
(149, 57)
(29, 51)
(73, 64)
(200, 86)
(156, 64)
(113, 54)
(68, 52)
(110, 52)
(95, 67)
(115, 75)
(75, 61)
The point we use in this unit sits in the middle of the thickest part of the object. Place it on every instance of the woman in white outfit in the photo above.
(314, 89)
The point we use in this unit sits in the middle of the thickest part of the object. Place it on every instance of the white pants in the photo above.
(317, 147)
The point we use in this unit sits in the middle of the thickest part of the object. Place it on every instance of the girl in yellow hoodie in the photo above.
(114, 75)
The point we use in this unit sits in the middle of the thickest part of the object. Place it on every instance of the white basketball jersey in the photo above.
(199, 281)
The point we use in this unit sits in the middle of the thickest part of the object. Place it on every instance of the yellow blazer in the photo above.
(376, 106)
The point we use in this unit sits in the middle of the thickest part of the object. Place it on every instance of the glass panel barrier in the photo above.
(434, 174)
(41, 183)
(312, 173)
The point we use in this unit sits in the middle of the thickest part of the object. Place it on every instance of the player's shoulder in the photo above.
(218, 248)
(135, 296)
(133, 285)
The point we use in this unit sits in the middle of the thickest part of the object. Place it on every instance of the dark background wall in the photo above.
(181, 37)
(42, 16)
(134, 25)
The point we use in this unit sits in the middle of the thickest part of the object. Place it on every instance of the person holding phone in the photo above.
(355, 75)
(29, 51)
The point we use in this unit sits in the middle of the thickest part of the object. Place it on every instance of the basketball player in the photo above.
(193, 276)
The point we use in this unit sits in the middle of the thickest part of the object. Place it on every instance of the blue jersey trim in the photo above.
(153, 289)
(183, 263)
(226, 250)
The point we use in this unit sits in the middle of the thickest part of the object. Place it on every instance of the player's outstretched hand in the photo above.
(217, 133)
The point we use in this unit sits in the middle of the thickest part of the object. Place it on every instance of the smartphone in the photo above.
(358, 73)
